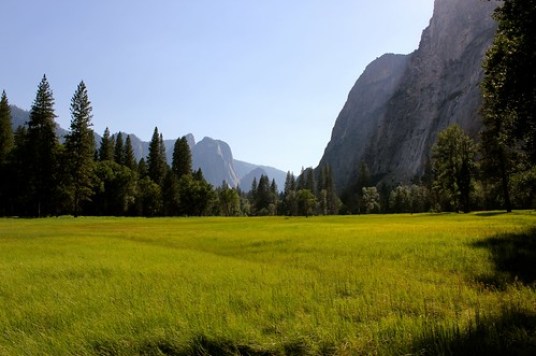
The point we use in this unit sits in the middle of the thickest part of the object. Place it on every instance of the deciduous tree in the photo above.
(453, 160)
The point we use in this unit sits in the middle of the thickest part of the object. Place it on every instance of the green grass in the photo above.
(398, 284)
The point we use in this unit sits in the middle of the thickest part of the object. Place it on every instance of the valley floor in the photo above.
(343, 285)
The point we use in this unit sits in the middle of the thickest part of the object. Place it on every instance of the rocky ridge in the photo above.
(400, 103)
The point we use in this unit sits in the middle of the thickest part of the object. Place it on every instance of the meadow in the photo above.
(344, 285)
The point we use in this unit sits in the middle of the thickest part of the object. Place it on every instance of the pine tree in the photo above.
(330, 200)
(107, 147)
(182, 158)
(290, 196)
(119, 150)
(42, 158)
(310, 181)
(6, 146)
(6, 131)
(130, 159)
(156, 159)
(79, 149)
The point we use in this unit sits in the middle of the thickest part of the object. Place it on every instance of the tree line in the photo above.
(42, 176)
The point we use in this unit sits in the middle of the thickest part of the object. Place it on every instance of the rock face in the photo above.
(216, 160)
(400, 103)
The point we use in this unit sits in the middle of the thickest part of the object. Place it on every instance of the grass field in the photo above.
(345, 285)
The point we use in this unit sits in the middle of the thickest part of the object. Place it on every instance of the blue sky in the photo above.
(268, 77)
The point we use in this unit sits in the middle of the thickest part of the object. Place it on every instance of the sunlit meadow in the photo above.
(397, 284)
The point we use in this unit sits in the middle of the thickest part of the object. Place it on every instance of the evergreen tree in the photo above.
(79, 148)
(6, 131)
(6, 146)
(107, 146)
(170, 194)
(119, 149)
(290, 183)
(329, 200)
(130, 159)
(41, 160)
(289, 195)
(509, 90)
(156, 159)
(274, 192)
(182, 158)
(142, 169)
(453, 157)
(263, 197)
(15, 199)
(310, 182)
(252, 195)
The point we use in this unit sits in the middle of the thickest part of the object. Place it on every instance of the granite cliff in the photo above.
(400, 102)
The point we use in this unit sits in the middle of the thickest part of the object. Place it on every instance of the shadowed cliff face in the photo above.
(400, 103)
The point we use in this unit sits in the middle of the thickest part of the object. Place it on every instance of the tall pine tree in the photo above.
(41, 160)
(156, 159)
(79, 150)
(130, 159)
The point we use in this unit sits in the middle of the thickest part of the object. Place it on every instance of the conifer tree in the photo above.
(6, 131)
(182, 158)
(119, 150)
(130, 159)
(41, 160)
(156, 159)
(107, 147)
(290, 195)
(79, 148)
(6, 146)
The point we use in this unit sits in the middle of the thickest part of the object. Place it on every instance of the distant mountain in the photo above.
(247, 170)
(214, 157)
(397, 107)
(216, 160)
(247, 181)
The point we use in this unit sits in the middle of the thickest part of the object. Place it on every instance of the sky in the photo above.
(267, 77)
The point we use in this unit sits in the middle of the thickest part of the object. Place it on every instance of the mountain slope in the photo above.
(400, 103)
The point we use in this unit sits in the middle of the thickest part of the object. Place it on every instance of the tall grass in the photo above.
(421, 284)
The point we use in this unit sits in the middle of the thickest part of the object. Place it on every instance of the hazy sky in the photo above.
(268, 77)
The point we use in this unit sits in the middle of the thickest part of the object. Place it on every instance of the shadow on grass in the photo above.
(514, 259)
(204, 346)
(511, 333)
(487, 214)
